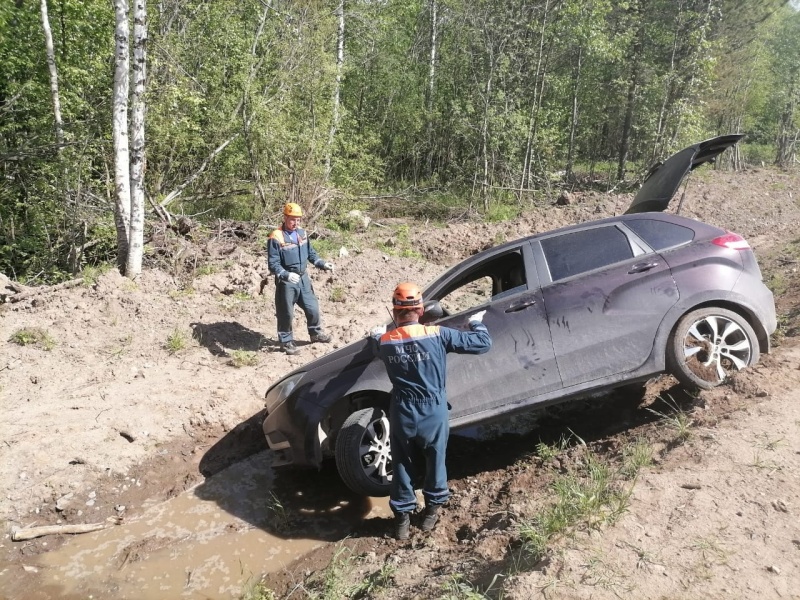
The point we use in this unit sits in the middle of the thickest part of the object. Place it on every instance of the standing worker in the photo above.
(288, 253)
(415, 359)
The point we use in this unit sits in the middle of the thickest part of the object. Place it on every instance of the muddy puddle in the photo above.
(208, 542)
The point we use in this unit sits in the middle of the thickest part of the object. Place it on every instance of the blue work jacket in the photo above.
(283, 254)
(415, 357)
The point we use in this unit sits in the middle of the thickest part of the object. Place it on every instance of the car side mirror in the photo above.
(433, 312)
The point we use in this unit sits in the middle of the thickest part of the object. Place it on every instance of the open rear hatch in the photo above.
(664, 178)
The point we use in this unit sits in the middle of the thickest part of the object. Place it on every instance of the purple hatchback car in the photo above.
(572, 312)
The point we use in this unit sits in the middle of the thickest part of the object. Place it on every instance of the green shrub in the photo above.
(36, 336)
(176, 341)
(243, 358)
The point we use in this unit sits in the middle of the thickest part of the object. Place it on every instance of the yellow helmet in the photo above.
(292, 210)
(407, 296)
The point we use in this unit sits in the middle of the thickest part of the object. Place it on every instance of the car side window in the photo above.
(501, 276)
(472, 293)
(580, 251)
(660, 234)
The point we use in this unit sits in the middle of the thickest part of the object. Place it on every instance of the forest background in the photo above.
(430, 108)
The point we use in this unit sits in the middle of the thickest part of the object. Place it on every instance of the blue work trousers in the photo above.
(419, 432)
(286, 296)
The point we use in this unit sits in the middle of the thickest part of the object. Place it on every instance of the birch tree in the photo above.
(51, 66)
(129, 151)
(337, 86)
(122, 173)
(136, 237)
(635, 60)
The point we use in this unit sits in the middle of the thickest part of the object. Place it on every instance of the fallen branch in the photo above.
(9, 288)
(28, 533)
(41, 290)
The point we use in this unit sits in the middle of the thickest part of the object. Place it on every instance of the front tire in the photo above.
(364, 453)
(708, 345)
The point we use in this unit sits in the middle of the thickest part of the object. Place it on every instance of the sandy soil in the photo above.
(141, 379)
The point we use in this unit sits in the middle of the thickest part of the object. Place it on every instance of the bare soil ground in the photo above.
(142, 380)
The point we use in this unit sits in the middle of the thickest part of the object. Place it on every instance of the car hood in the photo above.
(664, 178)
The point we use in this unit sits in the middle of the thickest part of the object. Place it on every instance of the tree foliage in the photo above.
(483, 100)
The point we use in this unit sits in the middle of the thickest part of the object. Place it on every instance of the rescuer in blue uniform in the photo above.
(415, 356)
(288, 253)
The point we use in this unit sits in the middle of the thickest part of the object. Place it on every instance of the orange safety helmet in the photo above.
(292, 210)
(407, 296)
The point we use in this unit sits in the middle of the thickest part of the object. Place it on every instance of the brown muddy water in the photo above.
(208, 542)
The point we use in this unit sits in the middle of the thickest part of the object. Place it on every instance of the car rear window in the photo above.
(581, 251)
(660, 234)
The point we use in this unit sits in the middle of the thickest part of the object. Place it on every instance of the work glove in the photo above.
(293, 278)
(477, 317)
(326, 266)
(378, 331)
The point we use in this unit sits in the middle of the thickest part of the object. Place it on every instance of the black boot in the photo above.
(431, 517)
(290, 348)
(402, 523)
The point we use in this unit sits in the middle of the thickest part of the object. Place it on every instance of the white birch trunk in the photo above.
(51, 65)
(337, 87)
(122, 184)
(434, 5)
(573, 122)
(432, 59)
(526, 166)
(136, 238)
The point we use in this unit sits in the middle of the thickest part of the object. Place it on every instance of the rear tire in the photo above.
(364, 454)
(708, 345)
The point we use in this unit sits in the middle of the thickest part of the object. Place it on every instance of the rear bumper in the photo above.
(760, 300)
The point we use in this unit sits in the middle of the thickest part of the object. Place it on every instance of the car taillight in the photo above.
(732, 241)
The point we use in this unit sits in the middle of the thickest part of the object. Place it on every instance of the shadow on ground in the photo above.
(287, 503)
(223, 336)
(591, 420)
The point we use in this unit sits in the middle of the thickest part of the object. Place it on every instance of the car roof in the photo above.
(483, 255)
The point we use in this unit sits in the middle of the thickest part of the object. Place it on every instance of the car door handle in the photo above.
(521, 306)
(642, 267)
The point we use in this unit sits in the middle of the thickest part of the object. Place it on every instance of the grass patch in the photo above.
(207, 269)
(278, 511)
(327, 247)
(548, 452)
(590, 494)
(176, 341)
(500, 213)
(116, 352)
(635, 457)
(33, 336)
(338, 294)
(401, 245)
(760, 463)
(181, 293)
(501, 237)
(676, 419)
(332, 582)
(458, 588)
(243, 358)
(374, 583)
(777, 283)
(258, 591)
(710, 549)
(91, 274)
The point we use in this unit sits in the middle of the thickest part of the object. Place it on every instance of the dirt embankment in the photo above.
(129, 385)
